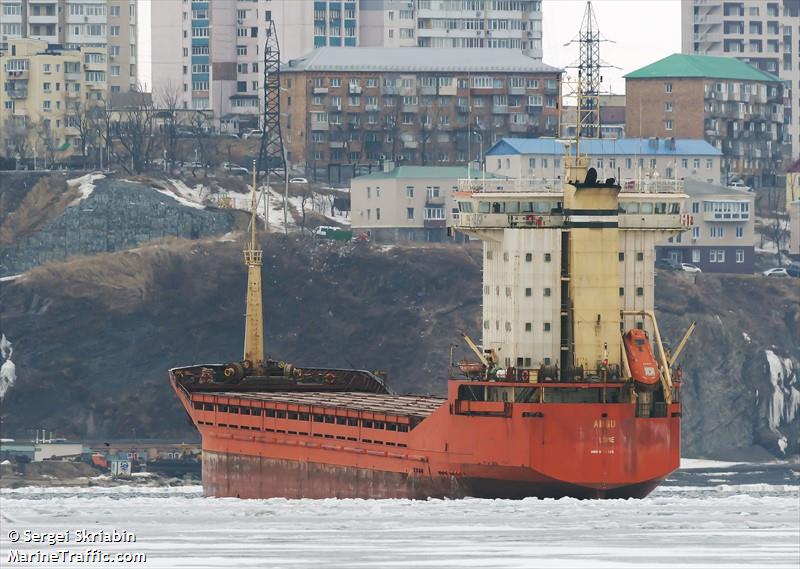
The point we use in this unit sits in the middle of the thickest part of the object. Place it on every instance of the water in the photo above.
(709, 518)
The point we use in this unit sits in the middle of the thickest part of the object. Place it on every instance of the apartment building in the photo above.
(722, 238)
(793, 182)
(763, 33)
(612, 117)
(406, 203)
(46, 91)
(794, 229)
(626, 159)
(735, 107)
(209, 54)
(73, 24)
(461, 24)
(420, 106)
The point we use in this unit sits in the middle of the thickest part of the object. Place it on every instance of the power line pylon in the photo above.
(585, 89)
(271, 156)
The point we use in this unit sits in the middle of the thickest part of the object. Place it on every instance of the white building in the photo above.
(462, 24)
(764, 33)
(210, 54)
(623, 159)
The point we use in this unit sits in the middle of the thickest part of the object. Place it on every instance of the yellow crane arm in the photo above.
(682, 344)
(475, 349)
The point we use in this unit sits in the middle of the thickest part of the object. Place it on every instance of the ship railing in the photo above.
(652, 186)
(516, 185)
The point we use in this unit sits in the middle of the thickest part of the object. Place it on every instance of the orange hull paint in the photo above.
(481, 449)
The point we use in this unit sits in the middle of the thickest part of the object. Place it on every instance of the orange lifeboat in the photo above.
(641, 360)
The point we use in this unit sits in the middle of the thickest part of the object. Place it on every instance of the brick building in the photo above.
(425, 106)
(735, 107)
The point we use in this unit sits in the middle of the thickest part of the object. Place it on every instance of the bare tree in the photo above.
(83, 117)
(133, 127)
(305, 195)
(168, 102)
(45, 140)
(201, 131)
(16, 137)
(775, 227)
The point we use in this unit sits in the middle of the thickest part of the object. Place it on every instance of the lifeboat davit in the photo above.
(642, 362)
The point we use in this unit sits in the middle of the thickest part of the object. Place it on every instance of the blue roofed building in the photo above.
(621, 158)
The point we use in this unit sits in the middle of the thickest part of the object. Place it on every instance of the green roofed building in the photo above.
(734, 106)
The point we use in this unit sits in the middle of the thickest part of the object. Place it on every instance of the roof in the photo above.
(679, 65)
(794, 168)
(417, 59)
(607, 146)
(697, 188)
(422, 173)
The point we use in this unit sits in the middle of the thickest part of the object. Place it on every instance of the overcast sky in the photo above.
(643, 31)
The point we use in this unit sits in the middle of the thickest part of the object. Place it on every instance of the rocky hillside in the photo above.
(93, 337)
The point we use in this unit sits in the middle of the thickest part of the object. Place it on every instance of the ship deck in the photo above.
(414, 406)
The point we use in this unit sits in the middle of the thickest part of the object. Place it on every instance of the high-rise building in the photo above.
(70, 24)
(46, 95)
(209, 54)
(734, 106)
(764, 33)
(501, 24)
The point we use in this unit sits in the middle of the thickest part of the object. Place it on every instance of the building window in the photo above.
(740, 255)
(377, 214)
(546, 326)
(695, 207)
(668, 124)
(639, 291)
(528, 292)
(716, 256)
(528, 326)
(621, 291)
(547, 257)
(668, 107)
(695, 255)
(547, 292)
(409, 191)
(640, 256)
(621, 256)
(716, 232)
(410, 213)
(739, 232)
(528, 257)
(668, 87)
(695, 233)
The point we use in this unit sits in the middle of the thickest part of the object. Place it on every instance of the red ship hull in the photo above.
(282, 445)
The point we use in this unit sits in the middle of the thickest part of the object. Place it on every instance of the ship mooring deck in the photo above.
(416, 406)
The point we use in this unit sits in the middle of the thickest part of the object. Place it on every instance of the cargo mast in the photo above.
(254, 322)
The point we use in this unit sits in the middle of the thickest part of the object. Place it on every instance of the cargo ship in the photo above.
(571, 391)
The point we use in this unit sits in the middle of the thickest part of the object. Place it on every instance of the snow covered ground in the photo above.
(709, 526)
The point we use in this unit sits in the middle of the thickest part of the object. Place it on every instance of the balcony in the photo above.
(315, 125)
(500, 109)
(336, 144)
(517, 90)
(320, 90)
(19, 74)
(354, 89)
(370, 108)
(17, 93)
(518, 127)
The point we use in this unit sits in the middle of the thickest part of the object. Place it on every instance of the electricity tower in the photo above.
(272, 156)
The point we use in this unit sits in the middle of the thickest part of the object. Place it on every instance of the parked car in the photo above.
(739, 186)
(668, 264)
(252, 133)
(793, 270)
(776, 272)
(229, 135)
(232, 168)
(690, 268)
(298, 181)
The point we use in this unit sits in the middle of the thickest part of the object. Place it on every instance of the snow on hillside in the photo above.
(85, 186)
